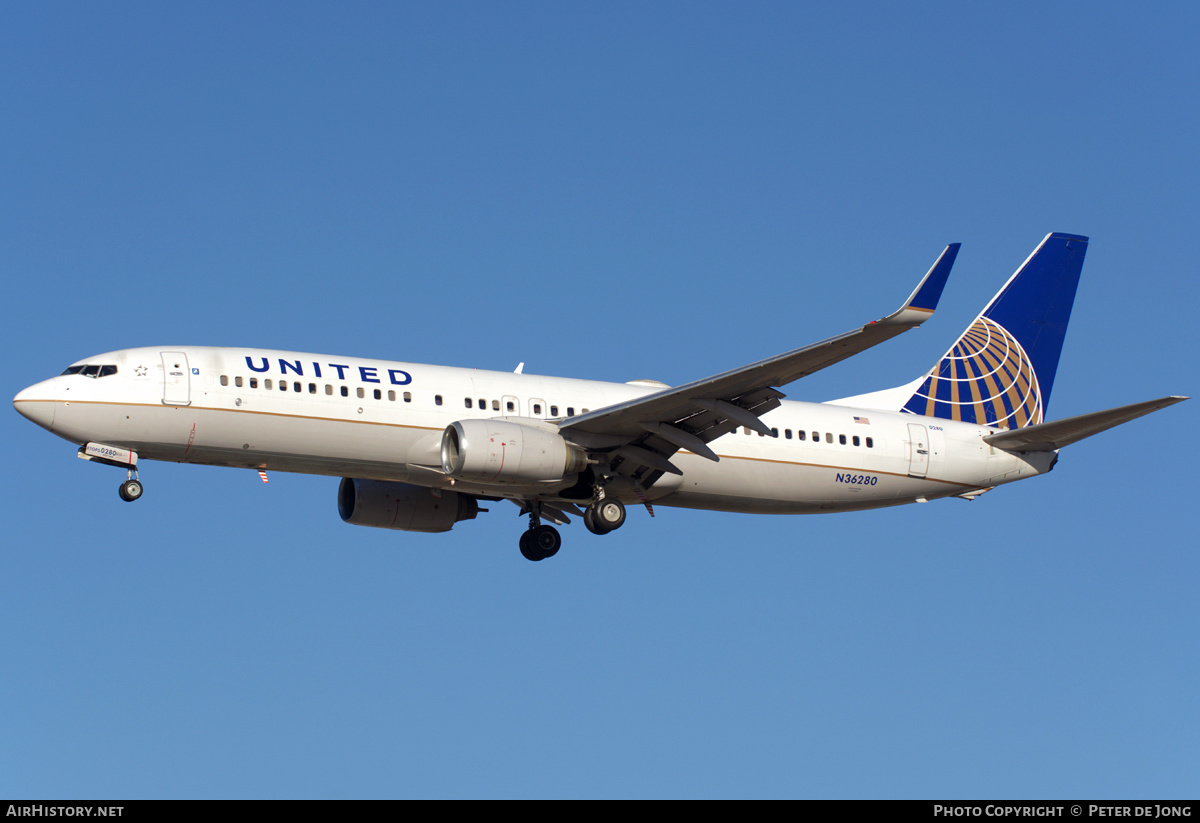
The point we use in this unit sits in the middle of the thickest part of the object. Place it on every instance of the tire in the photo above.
(609, 514)
(130, 490)
(547, 540)
(528, 549)
(589, 520)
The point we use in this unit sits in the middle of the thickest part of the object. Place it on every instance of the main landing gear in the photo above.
(540, 542)
(601, 517)
(604, 515)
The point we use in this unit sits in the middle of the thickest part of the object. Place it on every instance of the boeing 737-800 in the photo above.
(418, 447)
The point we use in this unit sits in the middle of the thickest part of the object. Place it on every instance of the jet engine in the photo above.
(388, 505)
(501, 451)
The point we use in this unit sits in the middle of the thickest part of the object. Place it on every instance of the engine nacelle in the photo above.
(386, 505)
(501, 451)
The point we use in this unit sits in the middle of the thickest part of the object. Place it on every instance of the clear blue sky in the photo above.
(612, 191)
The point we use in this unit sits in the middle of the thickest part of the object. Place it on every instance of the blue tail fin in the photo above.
(1001, 371)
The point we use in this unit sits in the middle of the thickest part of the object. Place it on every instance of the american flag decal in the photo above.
(862, 420)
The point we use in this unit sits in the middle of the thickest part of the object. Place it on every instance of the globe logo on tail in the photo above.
(987, 378)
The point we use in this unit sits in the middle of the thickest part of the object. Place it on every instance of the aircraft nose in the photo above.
(33, 404)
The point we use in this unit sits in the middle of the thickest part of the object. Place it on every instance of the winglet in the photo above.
(922, 302)
(929, 292)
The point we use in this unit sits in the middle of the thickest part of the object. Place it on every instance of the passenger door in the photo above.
(918, 450)
(177, 383)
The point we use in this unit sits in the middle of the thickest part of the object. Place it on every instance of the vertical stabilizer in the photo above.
(1000, 372)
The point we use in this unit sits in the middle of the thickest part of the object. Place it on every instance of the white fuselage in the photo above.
(370, 419)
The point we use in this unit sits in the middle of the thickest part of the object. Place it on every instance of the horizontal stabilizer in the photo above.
(1059, 433)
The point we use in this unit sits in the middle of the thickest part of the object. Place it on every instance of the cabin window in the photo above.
(467, 402)
(391, 394)
(328, 389)
(787, 434)
(570, 411)
(297, 387)
(224, 380)
(283, 385)
(537, 408)
(554, 411)
(495, 405)
(312, 388)
(746, 432)
(254, 382)
(829, 437)
(237, 381)
(408, 397)
(483, 404)
(870, 443)
(801, 434)
(854, 440)
(345, 391)
(842, 439)
(360, 392)
(378, 394)
(774, 432)
(267, 383)
(437, 400)
(816, 437)
(510, 405)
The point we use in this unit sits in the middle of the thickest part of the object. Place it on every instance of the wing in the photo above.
(642, 434)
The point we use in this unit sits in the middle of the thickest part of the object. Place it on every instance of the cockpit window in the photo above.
(92, 370)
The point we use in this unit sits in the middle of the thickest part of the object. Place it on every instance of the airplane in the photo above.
(419, 447)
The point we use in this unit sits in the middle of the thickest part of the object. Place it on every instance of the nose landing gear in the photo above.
(131, 489)
(126, 459)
